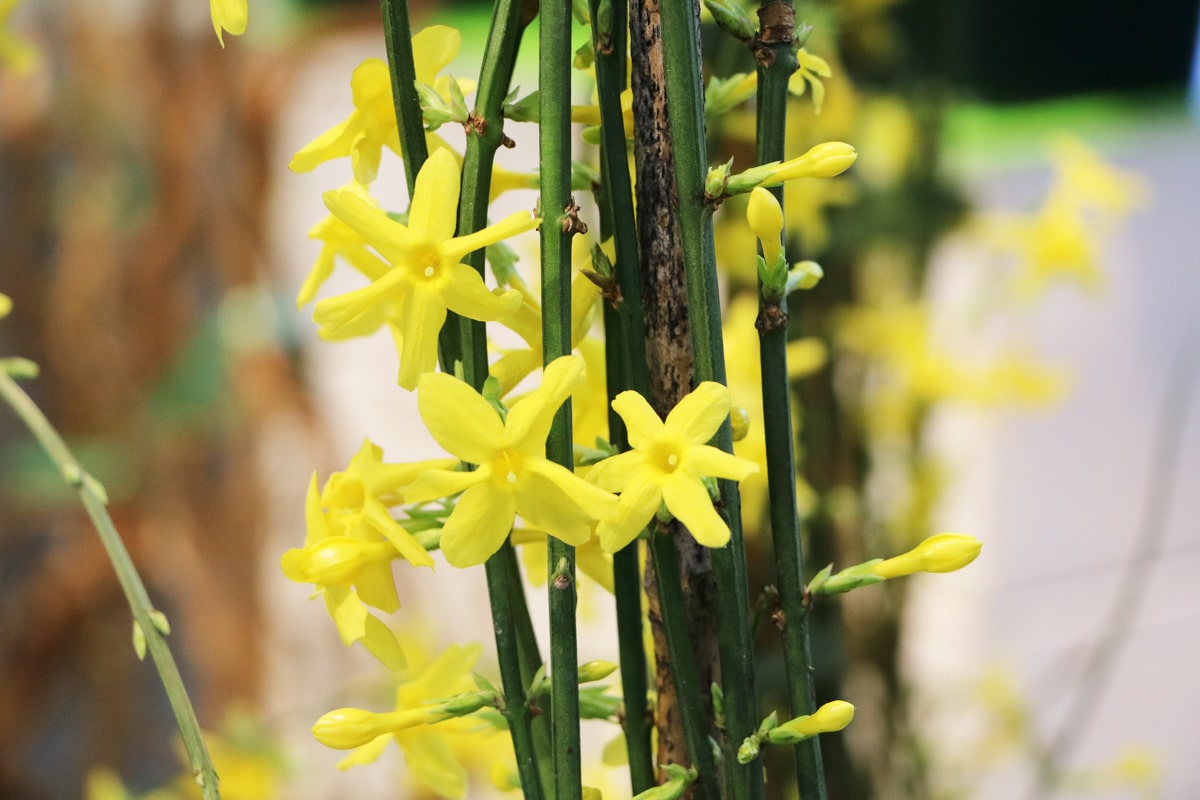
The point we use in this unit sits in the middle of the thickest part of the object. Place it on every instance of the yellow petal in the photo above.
(314, 518)
(441, 483)
(333, 143)
(377, 588)
(434, 211)
(699, 414)
(716, 463)
(616, 472)
(392, 239)
(431, 761)
(553, 499)
(765, 216)
(367, 754)
(688, 501)
(641, 422)
(478, 526)
(230, 15)
(517, 222)
(637, 506)
(379, 639)
(530, 418)
(459, 419)
(467, 295)
(433, 50)
(394, 532)
(348, 612)
(424, 315)
(360, 309)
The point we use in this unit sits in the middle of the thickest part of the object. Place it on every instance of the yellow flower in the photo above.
(666, 464)
(945, 552)
(427, 275)
(17, 53)
(228, 15)
(833, 716)
(348, 551)
(513, 475)
(809, 72)
(372, 125)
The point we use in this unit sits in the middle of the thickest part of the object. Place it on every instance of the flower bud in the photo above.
(596, 671)
(714, 183)
(334, 560)
(5, 305)
(945, 552)
(765, 216)
(804, 275)
(822, 161)
(347, 728)
(833, 716)
(731, 17)
(739, 420)
(748, 750)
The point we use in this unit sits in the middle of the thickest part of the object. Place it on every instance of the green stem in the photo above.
(683, 664)
(517, 711)
(91, 495)
(625, 357)
(397, 34)
(554, 85)
(464, 340)
(485, 132)
(685, 99)
(776, 64)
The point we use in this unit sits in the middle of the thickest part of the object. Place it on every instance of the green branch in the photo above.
(776, 63)
(397, 34)
(91, 494)
(558, 211)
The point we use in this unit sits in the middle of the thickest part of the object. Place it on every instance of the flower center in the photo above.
(507, 466)
(665, 457)
(426, 261)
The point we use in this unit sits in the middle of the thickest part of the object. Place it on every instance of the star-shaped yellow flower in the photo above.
(666, 464)
(372, 125)
(427, 275)
(513, 474)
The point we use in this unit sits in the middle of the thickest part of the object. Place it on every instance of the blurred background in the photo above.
(1010, 316)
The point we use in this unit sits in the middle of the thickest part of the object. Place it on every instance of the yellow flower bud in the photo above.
(347, 728)
(945, 552)
(825, 160)
(5, 305)
(765, 216)
(833, 716)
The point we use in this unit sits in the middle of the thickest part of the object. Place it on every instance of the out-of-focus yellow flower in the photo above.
(590, 558)
(1084, 175)
(426, 276)
(514, 365)
(665, 465)
(434, 755)
(513, 475)
(229, 15)
(372, 124)
(590, 115)
(945, 552)
(18, 54)
(809, 72)
(887, 136)
(5, 305)
(805, 201)
(915, 374)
